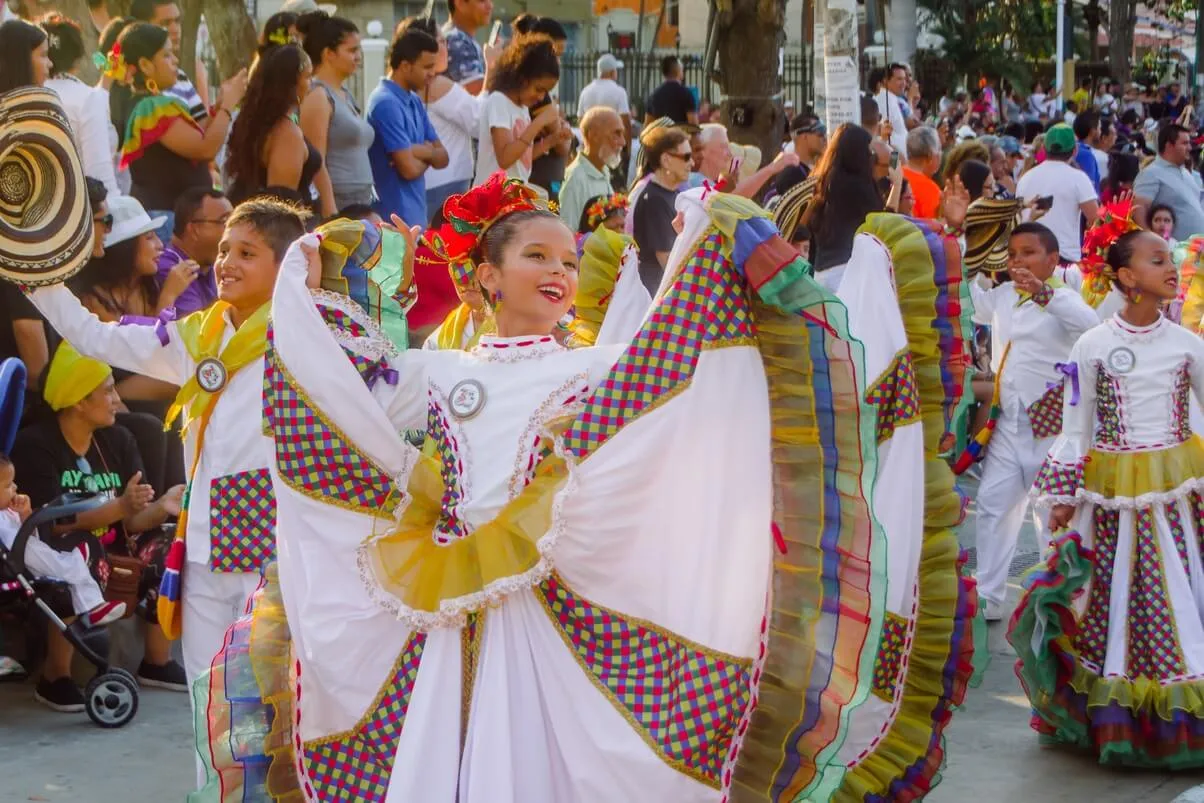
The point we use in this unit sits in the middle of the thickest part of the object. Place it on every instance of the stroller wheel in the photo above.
(111, 698)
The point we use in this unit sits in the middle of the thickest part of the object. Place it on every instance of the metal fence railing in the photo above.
(641, 74)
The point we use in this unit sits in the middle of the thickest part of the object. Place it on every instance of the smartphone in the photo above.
(1045, 202)
(894, 160)
(496, 33)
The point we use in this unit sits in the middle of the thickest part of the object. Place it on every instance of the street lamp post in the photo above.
(1059, 66)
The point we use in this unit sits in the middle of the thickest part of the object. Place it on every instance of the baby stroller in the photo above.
(111, 696)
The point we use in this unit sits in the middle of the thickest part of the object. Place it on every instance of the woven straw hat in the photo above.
(45, 218)
(989, 223)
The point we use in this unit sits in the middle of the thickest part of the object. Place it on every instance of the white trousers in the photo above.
(211, 602)
(70, 567)
(1013, 458)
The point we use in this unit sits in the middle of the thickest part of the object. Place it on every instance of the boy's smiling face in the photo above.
(246, 268)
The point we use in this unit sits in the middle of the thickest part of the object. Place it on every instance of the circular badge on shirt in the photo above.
(211, 375)
(1121, 360)
(467, 399)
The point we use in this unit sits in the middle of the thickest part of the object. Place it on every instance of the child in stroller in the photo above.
(43, 561)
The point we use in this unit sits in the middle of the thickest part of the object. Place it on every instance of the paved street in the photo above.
(992, 754)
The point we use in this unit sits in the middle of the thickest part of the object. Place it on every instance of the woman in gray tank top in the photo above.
(330, 118)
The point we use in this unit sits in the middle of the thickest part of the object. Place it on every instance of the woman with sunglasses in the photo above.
(665, 163)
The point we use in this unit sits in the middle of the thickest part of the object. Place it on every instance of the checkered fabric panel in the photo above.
(1058, 479)
(242, 521)
(895, 397)
(1110, 429)
(1154, 650)
(888, 665)
(356, 768)
(1091, 640)
(450, 525)
(706, 304)
(687, 702)
(1045, 414)
(337, 319)
(311, 457)
(1180, 399)
(1175, 520)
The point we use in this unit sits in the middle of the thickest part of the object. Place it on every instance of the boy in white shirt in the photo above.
(1034, 320)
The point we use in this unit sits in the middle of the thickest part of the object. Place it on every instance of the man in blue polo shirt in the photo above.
(406, 144)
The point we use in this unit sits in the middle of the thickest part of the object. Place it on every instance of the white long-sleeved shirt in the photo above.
(228, 487)
(1040, 337)
(88, 111)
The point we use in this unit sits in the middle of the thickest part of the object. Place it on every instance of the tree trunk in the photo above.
(232, 33)
(1122, 19)
(1093, 16)
(750, 38)
(190, 23)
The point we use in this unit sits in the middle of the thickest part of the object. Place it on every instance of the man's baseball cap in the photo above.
(608, 63)
(1010, 145)
(1060, 139)
(807, 124)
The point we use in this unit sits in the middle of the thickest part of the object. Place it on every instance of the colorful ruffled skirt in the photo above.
(1110, 630)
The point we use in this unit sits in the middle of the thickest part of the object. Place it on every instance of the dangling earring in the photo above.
(151, 86)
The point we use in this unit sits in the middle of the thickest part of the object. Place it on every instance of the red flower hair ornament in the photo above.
(1114, 221)
(468, 218)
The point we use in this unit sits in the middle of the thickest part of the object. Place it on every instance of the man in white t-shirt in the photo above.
(891, 103)
(1072, 192)
(606, 91)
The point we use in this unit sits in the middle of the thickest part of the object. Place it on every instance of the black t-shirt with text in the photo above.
(671, 99)
(46, 467)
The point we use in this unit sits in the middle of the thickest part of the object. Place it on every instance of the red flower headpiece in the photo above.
(603, 208)
(468, 217)
(1114, 220)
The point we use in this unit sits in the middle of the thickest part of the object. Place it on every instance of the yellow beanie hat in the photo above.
(71, 377)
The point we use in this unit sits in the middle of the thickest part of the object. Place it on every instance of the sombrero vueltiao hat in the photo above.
(988, 225)
(789, 207)
(45, 218)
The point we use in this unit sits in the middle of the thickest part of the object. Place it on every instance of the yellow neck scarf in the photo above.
(450, 334)
(202, 335)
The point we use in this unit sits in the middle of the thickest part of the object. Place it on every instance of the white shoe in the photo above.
(994, 611)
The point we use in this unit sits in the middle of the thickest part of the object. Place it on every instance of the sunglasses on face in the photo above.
(106, 221)
(685, 155)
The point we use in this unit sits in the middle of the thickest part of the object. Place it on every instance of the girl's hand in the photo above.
(178, 280)
(313, 266)
(1060, 516)
(410, 235)
(955, 202)
(232, 91)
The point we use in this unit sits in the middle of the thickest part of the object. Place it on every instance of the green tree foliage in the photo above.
(1003, 38)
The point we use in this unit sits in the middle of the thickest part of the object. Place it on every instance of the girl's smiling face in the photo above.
(1150, 271)
(536, 283)
(1162, 223)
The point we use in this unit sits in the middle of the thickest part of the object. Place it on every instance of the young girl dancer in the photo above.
(494, 596)
(1110, 633)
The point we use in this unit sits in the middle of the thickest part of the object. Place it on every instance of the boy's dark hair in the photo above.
(145, 9)
(356, 211)
(409, 44)
(1168, 135)
(97, 192)
(1085, 123)
(669, 65)
(189, 203)
(277, 221)
(1047, 238)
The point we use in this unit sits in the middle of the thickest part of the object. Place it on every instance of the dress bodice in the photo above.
(1142, 380)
